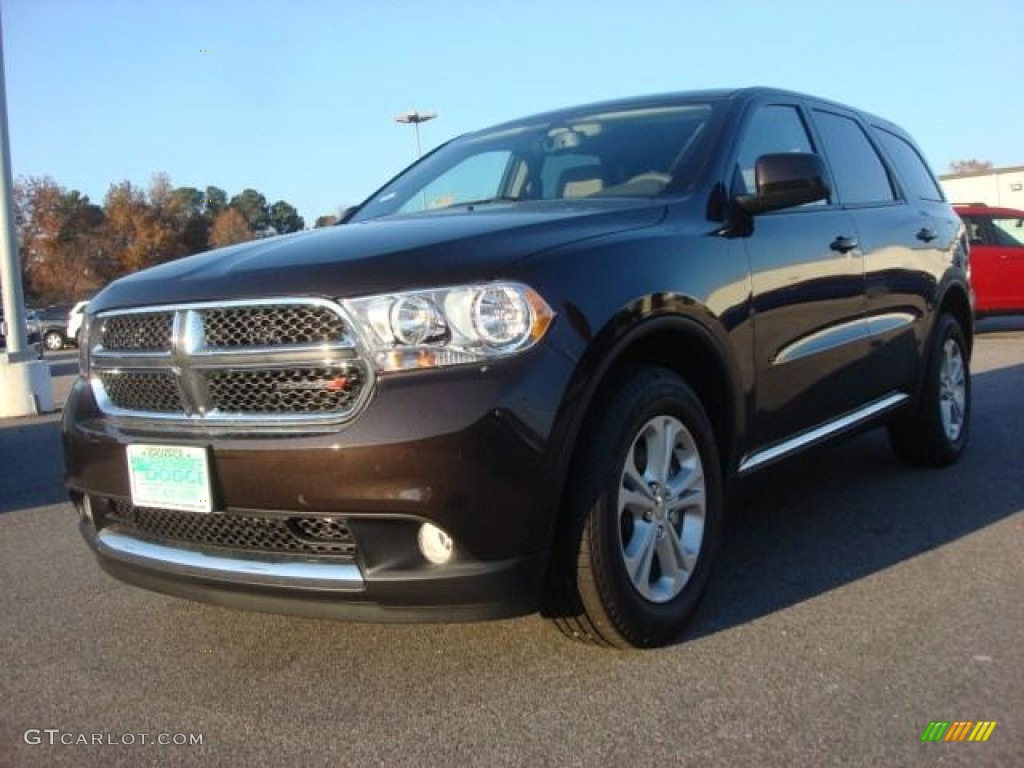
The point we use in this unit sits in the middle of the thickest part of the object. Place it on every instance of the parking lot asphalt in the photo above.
(855, 602)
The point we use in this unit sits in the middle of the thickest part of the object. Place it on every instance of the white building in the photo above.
(996, 186)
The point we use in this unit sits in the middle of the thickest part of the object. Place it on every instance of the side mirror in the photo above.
(786, 180)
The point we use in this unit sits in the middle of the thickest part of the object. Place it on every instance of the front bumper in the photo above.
(466, 450)
(326, 590)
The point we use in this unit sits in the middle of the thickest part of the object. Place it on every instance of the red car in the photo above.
(997, 257)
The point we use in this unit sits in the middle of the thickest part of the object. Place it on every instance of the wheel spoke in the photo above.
(686, 560)
(690, 539)
(956, 370)
(638, 564)
(946, 406)
(661, 439)
(633, 481)
(689, 500)
(634, 500)
(689, 477)
(956, 413)
(668, 557)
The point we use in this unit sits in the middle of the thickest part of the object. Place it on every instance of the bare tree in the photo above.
(970, 166)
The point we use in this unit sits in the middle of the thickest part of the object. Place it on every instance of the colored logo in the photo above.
(958, 730)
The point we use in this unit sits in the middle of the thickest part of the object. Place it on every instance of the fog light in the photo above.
(435, 544)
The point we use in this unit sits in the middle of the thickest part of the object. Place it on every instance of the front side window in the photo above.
(975, 228)
(772, 129)
(859, 174)
(619, 153)
(1008, 231)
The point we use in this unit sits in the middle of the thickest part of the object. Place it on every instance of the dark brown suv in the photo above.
(520, 374)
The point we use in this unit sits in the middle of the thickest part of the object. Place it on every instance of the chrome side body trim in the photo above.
(846, 333)
(344, 577)
(822, 432)
(892, 321)
(823, 341)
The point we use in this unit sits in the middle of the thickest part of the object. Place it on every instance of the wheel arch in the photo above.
(956, 302)
(680, 340)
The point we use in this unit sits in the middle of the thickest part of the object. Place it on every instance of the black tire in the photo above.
(53, 341)
(591, 595)
(924, 436)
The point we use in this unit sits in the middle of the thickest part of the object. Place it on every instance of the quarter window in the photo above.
(919, 180)
(859, 174)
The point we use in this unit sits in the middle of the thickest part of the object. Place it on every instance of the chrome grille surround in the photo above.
(278, 362)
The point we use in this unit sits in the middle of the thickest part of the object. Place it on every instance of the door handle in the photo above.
(925, 234)
(843, 244)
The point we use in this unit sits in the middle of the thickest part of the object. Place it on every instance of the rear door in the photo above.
(902, 237)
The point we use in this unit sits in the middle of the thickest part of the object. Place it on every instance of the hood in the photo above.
(448, 247)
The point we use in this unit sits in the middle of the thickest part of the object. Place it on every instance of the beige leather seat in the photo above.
(581, 181)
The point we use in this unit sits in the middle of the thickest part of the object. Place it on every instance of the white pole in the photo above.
(10, 262)
(24, 382)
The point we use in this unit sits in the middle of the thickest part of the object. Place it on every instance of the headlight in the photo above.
(450, 326)
(85, 343)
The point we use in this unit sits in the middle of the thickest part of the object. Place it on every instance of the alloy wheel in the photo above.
(661, 507)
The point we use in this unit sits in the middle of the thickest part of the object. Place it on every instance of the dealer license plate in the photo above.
(169, 477)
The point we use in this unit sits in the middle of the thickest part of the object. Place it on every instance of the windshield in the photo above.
(630, 152)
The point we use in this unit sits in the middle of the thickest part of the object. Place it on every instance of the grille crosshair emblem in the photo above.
(186, 341)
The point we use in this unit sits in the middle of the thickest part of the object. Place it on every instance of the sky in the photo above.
(297, 99)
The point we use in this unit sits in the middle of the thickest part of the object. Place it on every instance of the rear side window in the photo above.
(859, 174)
(911, 166)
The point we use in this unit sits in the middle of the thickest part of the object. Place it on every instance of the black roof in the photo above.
(717, 94)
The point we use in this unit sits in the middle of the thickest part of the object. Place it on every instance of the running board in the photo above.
(823, 432)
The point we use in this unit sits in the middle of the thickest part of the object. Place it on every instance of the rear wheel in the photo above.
(644, 515)
(935, 432)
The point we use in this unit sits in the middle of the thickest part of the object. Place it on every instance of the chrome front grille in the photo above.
(272, 326)
(143, 391)
(295, 390)
(276, 362)
(144, 331)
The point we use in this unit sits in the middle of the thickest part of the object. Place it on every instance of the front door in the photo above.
(807, 284)
(997, 260)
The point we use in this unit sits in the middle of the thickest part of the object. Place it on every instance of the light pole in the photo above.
(24, 383)
(416, 117)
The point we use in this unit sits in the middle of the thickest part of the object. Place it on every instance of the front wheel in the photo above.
(935, 432)
(54, 341)
(644, 515)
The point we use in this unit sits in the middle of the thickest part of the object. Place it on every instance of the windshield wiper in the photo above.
(486, 201)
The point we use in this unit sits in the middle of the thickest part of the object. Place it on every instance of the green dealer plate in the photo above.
(169, 477)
